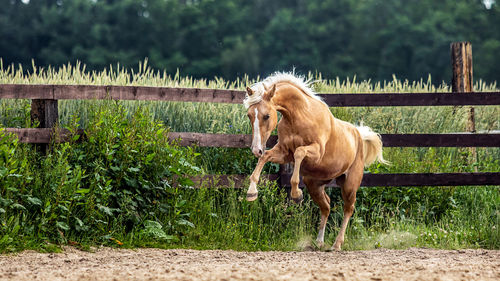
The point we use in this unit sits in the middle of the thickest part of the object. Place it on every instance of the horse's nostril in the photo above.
(260, 151)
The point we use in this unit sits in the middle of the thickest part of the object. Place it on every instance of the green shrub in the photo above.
(123, 175)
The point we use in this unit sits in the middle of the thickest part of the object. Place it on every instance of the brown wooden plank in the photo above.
(31, 135)
(177, 94)
(19, 91)
(38, 135)
(211, 140)
(431, 179)
(369, 180)
(236, 181)
(389, 140)
(217, 140)
(244, 141)
(80, 92)
(419, 179)
(412, 99)
(441, 140)
(148, 93)
(234, 96)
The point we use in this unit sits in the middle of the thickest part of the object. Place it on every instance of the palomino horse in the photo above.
(322, 147)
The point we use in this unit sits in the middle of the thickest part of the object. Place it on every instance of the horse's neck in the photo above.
(292, 105)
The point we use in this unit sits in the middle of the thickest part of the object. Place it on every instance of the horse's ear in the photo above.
(269, 95)
(249, 91)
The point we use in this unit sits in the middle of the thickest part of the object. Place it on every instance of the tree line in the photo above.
(369, 39)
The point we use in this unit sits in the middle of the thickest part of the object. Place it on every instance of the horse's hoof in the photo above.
(335, 248)
(252, 196)
(320, 245)
(299, 199)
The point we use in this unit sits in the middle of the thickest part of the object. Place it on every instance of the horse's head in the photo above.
(263, 117)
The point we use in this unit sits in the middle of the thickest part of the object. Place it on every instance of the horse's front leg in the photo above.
(274, 155)
(312, 152)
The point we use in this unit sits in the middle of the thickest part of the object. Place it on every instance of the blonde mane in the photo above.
(260, 88)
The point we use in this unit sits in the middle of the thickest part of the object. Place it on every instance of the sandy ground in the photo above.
(155, 264)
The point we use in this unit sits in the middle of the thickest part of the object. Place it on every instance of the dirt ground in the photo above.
(155, 264)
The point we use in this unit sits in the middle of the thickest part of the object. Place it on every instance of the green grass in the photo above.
(224, 220)
(208, 217)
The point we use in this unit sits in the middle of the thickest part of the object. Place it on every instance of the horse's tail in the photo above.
(372, 146)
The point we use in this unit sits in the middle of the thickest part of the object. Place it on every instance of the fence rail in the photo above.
(82, 92)
(419, 179)
(369, 180)
(389, 140)
(46, 135)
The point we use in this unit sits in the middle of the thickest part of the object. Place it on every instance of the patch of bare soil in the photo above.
(155, 264)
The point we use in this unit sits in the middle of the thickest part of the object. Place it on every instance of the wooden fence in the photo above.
(44, 109)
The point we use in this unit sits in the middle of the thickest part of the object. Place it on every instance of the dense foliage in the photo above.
(124, 177)
(229, 38)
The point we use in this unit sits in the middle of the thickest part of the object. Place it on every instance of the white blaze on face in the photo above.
(256, 142)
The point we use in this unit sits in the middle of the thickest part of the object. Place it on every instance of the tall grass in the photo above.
(224, 118)
(452, 217)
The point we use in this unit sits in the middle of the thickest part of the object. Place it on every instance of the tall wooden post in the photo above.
(45, 113)
(461, 59)
(284, 172)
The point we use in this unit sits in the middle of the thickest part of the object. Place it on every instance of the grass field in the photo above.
(76, 194)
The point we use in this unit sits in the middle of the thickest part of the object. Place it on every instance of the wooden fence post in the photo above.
(284, 173)
(45, 113)
(461, 59)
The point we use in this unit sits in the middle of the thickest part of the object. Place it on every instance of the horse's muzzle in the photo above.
(257, 152)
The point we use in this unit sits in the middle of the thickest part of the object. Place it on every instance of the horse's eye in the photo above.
(266, 116)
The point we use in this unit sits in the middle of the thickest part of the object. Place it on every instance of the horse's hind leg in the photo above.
(317, 191)
(349, 184)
